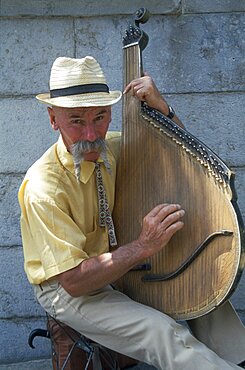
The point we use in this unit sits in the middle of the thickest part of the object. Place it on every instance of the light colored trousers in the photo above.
(112, 319)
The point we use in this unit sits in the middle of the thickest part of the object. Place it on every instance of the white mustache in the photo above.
(82, 147)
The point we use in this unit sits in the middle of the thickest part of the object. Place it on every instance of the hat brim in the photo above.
(98, 99)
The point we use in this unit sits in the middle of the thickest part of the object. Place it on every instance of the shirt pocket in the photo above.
(96, 242)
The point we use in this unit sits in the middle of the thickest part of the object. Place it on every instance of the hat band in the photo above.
(79, 89)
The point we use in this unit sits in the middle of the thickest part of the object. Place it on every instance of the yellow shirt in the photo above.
(59, 215)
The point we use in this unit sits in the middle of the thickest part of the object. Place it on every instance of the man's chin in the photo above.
(91, 156)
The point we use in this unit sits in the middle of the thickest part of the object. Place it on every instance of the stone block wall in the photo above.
(195, 55)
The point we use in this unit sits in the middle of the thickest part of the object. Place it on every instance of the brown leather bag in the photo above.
(63, 338)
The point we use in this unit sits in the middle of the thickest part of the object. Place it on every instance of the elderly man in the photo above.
(67, 255)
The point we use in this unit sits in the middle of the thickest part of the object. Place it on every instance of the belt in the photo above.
(45, 283)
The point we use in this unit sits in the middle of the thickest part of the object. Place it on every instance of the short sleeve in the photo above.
(56, 241)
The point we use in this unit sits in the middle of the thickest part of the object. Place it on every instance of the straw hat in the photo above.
(78, 83)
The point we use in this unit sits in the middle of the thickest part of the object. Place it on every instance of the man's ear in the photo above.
(52, 120)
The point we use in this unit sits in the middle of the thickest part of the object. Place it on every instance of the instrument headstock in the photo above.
(133, 34)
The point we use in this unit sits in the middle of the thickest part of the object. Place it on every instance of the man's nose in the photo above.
(90, 133)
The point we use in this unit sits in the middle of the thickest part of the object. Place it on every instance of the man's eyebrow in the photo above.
(78, 115)
(101, 112)
(75, 116)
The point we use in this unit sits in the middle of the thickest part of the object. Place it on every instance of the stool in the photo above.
(73, 351)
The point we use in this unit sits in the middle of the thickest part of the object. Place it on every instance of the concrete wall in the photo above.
(196, 57)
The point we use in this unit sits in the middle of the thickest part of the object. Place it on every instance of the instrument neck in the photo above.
(132, 63)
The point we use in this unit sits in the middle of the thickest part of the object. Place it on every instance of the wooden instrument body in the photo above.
(160, 163)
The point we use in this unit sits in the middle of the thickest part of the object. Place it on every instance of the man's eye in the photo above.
(77, 122)
(99, 118)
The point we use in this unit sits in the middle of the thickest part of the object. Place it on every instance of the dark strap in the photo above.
(79, 89)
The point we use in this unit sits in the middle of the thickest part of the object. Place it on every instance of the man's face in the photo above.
(81, 124)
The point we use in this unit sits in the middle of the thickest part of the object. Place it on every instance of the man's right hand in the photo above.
(159, 225)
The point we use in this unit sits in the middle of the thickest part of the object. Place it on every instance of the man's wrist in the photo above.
(162, 107)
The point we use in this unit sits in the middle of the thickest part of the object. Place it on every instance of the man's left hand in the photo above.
(145, 90)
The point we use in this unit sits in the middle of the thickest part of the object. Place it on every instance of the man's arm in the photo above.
(159, 226)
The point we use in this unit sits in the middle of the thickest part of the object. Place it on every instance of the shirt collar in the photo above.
(87, 167)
